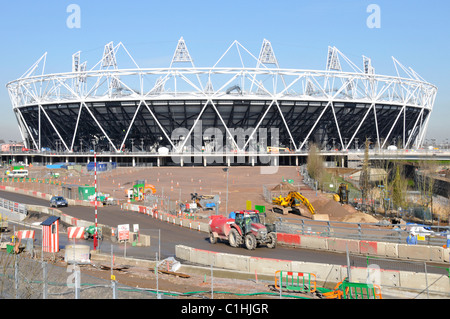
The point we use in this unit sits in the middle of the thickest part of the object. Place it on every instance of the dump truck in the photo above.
(244, 229)
(284, 205)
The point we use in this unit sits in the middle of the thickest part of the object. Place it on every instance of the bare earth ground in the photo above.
(245, 183)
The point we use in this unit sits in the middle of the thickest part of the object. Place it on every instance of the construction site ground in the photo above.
(244, 183)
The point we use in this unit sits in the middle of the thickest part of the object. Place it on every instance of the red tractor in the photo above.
(244, 227)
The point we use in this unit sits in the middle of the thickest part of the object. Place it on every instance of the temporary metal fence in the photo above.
(25, 278)
(421, 271)
(13, 206)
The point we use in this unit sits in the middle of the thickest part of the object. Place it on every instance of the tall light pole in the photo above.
(226, 203)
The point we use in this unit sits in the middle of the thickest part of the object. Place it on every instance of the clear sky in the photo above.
(416, 33)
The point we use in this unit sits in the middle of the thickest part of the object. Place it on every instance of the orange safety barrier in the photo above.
(353, 290)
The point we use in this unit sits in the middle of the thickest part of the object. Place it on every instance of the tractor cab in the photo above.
(244, 219)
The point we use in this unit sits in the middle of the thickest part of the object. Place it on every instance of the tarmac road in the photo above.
(172, 235)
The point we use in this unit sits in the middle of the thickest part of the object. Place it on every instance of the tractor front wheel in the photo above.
(250, 241)
(272, 243)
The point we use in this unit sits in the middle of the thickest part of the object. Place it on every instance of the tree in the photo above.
(314, 163)
(398, 186)
(364, 178)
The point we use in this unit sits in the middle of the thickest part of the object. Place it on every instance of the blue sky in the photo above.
(416, 33)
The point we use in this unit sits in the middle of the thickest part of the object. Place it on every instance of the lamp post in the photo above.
(226, 202)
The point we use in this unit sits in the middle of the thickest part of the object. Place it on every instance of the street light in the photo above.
(226, 203)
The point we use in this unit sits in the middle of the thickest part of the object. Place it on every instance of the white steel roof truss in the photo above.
(100, 127)
(53, 125)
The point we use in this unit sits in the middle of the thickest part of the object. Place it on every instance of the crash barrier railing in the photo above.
(295, 281)
(381, 231)
(13, 206)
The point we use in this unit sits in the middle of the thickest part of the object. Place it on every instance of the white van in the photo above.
(17, 173)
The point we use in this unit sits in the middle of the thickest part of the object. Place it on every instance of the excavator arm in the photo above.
(293, 199)
(303, 200)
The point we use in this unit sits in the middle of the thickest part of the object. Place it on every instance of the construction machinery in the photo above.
(342, 195)
(206, 202)
(290, 203)
(89, 232)
(139, 190)
(245, 228)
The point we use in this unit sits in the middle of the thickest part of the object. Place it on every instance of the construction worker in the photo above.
(411, 239)
(248, 222)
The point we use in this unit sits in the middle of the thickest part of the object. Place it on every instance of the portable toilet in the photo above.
(50, 237)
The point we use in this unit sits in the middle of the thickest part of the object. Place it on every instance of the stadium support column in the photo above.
(253, 161)
(158, 161)
(134, 161)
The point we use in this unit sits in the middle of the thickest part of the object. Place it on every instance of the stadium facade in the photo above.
(221, 108)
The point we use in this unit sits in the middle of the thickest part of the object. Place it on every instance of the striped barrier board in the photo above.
(25, 234)
(75, 232)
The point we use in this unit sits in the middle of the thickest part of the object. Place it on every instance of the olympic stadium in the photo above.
(238, 108)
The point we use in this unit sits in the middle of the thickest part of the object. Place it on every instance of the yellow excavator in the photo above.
(284, 205)
(342, 194)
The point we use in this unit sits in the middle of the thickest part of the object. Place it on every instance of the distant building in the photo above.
(12, 147)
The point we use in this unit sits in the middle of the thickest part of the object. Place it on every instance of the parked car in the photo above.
(58, 201)
(419, 230)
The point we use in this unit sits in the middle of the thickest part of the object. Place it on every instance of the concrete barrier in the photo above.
(341, 245)
(325, 273)
(237, 262)
(203, 257)
(268, 266)
(419, 252)
(368, 247)
(376, 275)
(389, 250)
(314, 242)
(289, 239)
(363, 247)
(184, 252)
